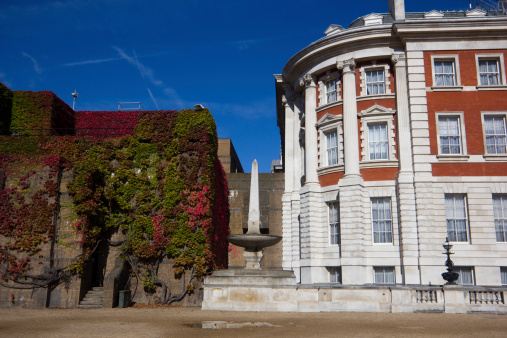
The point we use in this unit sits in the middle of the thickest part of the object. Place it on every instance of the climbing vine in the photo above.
(160, 185)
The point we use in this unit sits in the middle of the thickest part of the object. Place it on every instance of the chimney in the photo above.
(397, 9)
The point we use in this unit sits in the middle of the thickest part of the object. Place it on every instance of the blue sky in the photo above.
(174, 54)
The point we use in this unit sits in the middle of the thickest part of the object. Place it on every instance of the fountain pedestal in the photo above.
(250, 288)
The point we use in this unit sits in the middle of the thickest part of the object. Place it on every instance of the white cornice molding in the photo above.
(376, 110)
(329, 119)
(433, 15)
(373, 19)
(475, 13)
(333, 29)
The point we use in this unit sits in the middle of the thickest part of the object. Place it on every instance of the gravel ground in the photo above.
(187, 322)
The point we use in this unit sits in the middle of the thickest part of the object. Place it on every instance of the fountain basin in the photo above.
(254, 242)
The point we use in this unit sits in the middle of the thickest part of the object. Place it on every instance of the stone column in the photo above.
(310, 130)
(402, 113)
(288, 102)
(350, 132)
(351, 197)
(409, 239)
(289, 145)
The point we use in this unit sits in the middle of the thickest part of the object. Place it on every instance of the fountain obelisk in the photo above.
(253, 241)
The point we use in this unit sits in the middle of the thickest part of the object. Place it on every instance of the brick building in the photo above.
(394, 138)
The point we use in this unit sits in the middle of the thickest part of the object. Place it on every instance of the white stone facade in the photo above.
(400, 169)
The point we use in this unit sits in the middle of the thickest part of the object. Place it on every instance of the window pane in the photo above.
(500, 216)
(466, 276)
(375, 83)
(384, 275)
(489, 72)
(444, 73)
(334, 222)
(450, 135)
(381, 220)
(377, 141)
(332, 147)
(503, 274)
(494, 129)
(457, 222)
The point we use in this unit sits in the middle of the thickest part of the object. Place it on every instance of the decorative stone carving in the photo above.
(346, 66)
(307, 81)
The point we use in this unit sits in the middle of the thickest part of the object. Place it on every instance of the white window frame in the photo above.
(391, 230)
(501, 71)
(385, 141)
(331, 160)
(384, 270)
(333, 225)
(461, 124)
(335, 274)
(454, 239)
(500, 217)
(326, 124)
(387, 80)
(377, 115)
(448, 57)
(460, 269)
(493, 114)
(323, 97)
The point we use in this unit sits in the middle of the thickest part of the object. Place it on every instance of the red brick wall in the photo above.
(471, 104)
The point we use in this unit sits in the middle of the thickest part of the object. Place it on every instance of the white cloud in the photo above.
(86, 62)
(148, 75)
(36, 67)
(153, 98)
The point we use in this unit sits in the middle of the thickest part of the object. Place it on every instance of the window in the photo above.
(378, 144)
(449, 134)
(331, 91)
(381, 220)
(332, 147)
(445, 72)
(489, 72)
(455, 210)
(500, 215)
(503, 275)
(384, 275)
(375, 83)
(335, 274)
(334, 222)
(495, 133)
(466, 275)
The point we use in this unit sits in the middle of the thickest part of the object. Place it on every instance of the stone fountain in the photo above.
(253, 241)
(250, 288)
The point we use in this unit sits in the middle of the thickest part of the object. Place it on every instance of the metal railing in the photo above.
(495, 7)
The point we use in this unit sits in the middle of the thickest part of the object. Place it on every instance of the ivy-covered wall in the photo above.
(160, 189)
(40, 113)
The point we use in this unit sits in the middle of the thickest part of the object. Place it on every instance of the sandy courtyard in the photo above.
(187, 322)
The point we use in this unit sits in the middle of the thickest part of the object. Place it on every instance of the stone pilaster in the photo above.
(288, 101)
(409, 237)
(350, 129)
(308, 81)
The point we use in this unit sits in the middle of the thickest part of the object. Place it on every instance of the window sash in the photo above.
(378, 143)
(495, 131)
(457, 221)
(500, 216)
(335, 274)
(466, 275)
(334, 223)
(375, 83)
(489, 72)
(445, 73)
(332, 147)
(331, 91)
(381, 220)
(450, 134)
(503, 275)
(384, 275)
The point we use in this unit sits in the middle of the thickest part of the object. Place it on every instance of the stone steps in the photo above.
(93, 299)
